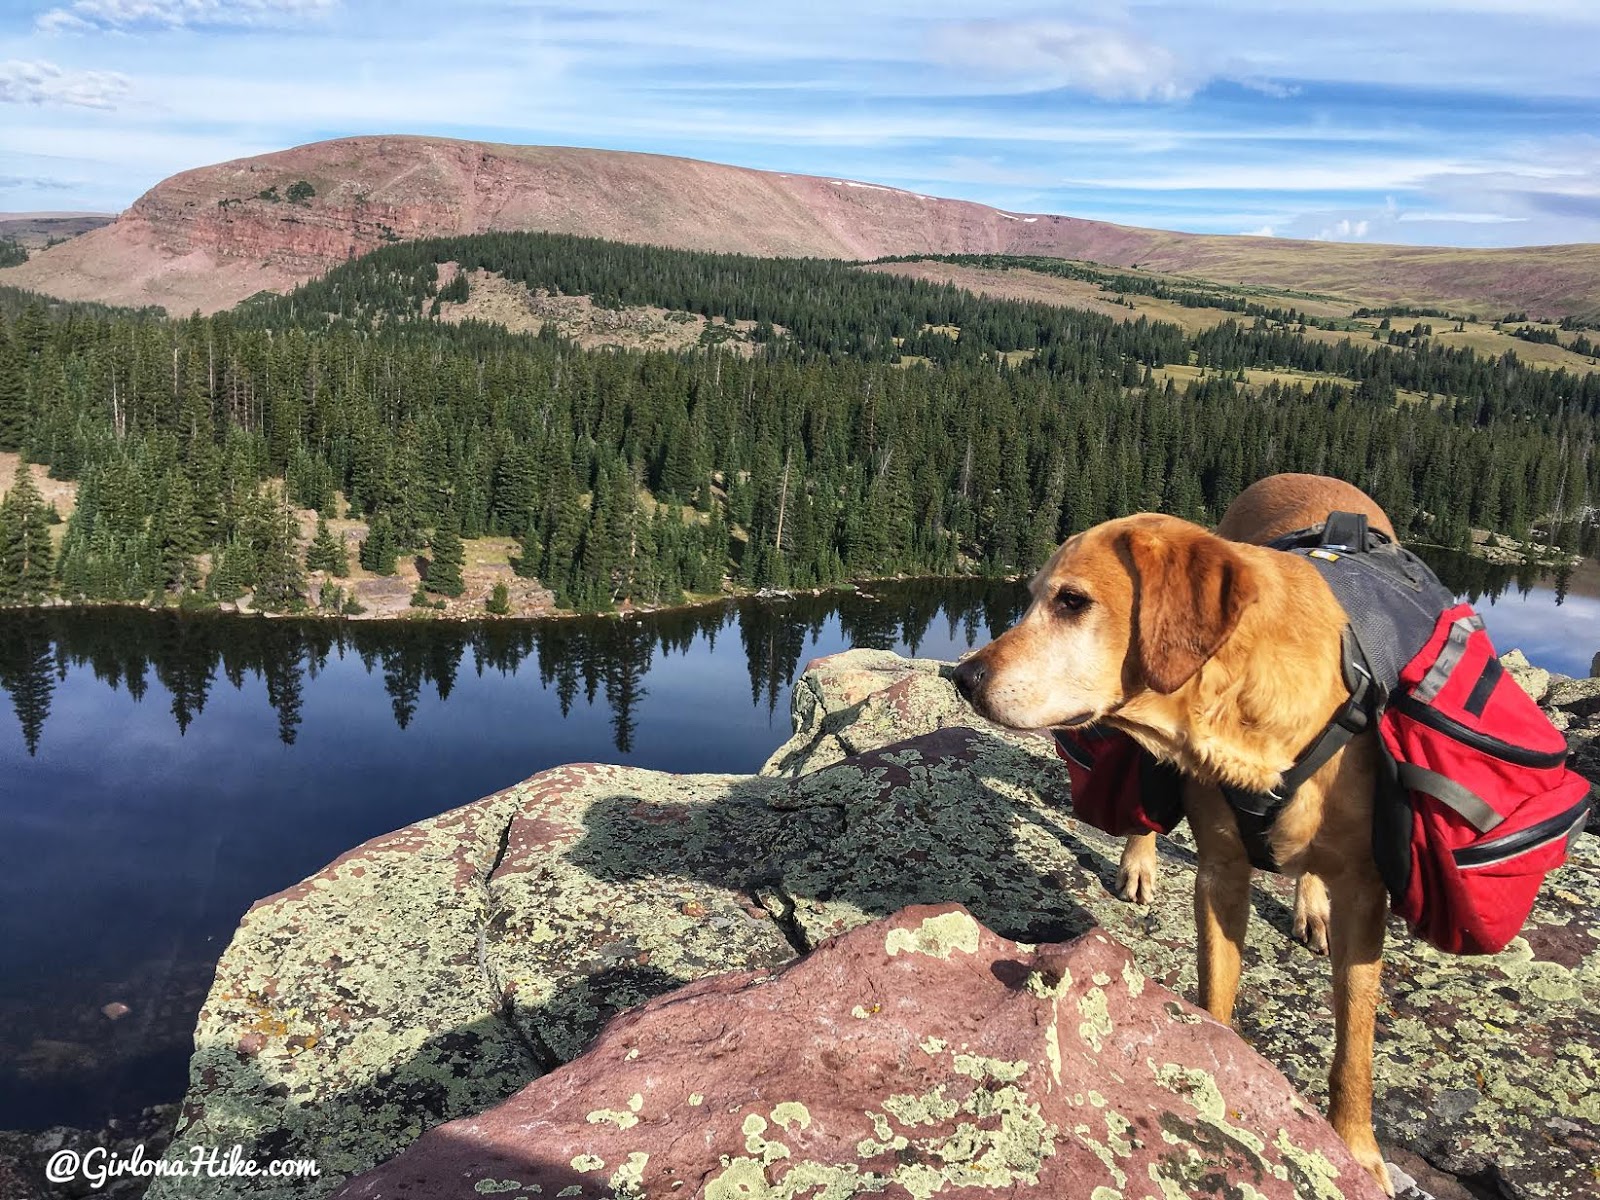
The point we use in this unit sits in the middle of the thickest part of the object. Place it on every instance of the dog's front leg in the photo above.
(1221, 898)
(1359, 906)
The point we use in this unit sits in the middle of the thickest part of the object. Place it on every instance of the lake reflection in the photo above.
(164, 772)
(161, 773)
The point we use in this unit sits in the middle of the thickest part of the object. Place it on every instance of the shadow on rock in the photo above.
(947, 817)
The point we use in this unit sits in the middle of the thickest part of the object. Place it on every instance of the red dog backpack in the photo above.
(1480, 778)
(1479, 804)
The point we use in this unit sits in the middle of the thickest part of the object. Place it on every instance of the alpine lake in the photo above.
(160, 773)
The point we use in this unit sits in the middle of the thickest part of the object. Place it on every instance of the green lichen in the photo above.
(979, 1067)
(792, 1115)
(1103, 1153)
(1045, 986)
(928, 1109)
(1314, 1174)
(627, 1181)
(1196, 1086)
(1052, 1049)
(1096, 1023)
(937, 937)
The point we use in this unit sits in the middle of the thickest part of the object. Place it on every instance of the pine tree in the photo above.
(447, 557)
(26, 555)
(233, 566)
(280, 584)
(326, 552)
(13, 394)
(177, 536)
(379, 554)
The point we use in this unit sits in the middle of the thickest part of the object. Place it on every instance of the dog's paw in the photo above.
(1311, 913)
(1137, 886)
(1136, 876)
(1372, 1159)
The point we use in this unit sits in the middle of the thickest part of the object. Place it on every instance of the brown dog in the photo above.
(1222, 657)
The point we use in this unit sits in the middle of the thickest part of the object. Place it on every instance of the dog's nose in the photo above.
(969, 675)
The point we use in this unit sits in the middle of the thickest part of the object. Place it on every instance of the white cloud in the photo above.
(1321, 175)
(1264, 231)
(1345, 229)
(82, 15)
(1469, 218)
(1269, 87)
(1111, 64)
(43, 83)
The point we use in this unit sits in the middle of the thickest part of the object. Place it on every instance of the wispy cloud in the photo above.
(1098, 60)
(1345, 230)
(11, 183)
(1466, 218)
(44, 83)
(84, 15)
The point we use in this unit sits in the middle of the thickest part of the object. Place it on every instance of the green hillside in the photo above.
(865, 424)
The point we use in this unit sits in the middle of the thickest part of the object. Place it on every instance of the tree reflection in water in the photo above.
(594, 657)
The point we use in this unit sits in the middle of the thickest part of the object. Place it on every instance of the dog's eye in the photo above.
(1071, 601)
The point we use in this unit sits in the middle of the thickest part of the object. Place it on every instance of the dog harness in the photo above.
(1391, 602)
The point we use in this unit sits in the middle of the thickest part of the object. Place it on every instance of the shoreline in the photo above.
(1499, 557)
(427, 615)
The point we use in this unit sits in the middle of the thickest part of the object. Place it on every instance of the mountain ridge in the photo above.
(213, 235)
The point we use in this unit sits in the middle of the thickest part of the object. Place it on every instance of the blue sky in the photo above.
(1458, 122)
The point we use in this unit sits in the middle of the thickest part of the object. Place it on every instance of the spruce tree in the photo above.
(26, 555)
(233, 566)
(13, 394)
(177, 536)
(379, 554)
(446, 558)
(280, 583)
(326, 552)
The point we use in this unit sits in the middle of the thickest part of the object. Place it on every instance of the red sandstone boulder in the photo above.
(916, 1055)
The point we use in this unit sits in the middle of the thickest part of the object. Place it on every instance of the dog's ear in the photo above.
(1190, 588)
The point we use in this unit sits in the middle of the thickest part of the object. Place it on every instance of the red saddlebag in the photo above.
(1117, 785)
(1481, 803)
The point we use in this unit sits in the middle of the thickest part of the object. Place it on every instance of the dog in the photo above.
(1222, 657)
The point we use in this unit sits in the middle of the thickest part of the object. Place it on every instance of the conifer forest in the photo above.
(866, 425)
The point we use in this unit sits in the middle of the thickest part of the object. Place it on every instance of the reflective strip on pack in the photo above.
(1471, 807)
(1460, 630)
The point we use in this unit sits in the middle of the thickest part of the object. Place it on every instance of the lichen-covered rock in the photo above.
(351, 1011)
(1533, 680)
(914, 1056)
(428, 974)
(1580, 697)
(862, 700)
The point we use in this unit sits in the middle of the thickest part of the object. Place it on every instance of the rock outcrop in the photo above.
(209, 237)
(1574, 706)
(916, 1055)
(431, 973)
